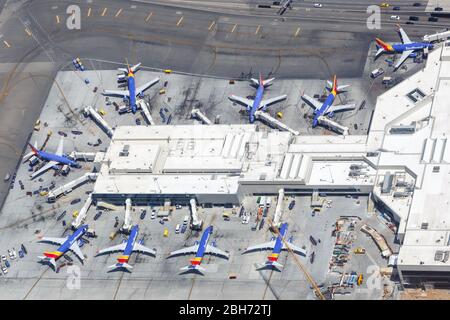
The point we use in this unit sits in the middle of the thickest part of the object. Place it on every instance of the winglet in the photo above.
(34, 149)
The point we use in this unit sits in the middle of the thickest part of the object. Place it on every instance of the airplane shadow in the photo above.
(119, 269)
(195, 271)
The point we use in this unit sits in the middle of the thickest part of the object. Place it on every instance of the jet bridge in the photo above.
(196, 113)
(264, 116)
(127, 220)
(196, 223)
(144, 107)
(99, 120)
(82, 214)
(279, 208)
(333, 125)
(68, 187)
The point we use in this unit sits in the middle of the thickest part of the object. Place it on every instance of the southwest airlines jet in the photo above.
(257, 104)
(53, 159)
(276, 245)
(327, 108)
(66, 244)
(407, 48)
(132, 92)
(200, 249)
(127, 248)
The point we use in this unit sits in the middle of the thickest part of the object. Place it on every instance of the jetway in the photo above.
(196, 113)
(439, 36)
(106, 205)
(196, 223)
(274, 122)
(145, 108)
(82, 214)
(333, 125)
(279, 208)
(68, 187)
(127, 220)
(99, 120)
(85, 156)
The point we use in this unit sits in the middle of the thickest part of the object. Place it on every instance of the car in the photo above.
(384, 5)
(4, 270)
(396, 8)
(246, 220)
(21, 255)
(360, 250)
(177, 206)
(183, 228)
(23, 249)
(97, 215)
(409, 22)
(313, 241)
(292, 205)
(143, 213)
(433, 19)
(438, 9)
(417, 4)
(138, 122)
(185, 220)
(414, 18)
(318, 5)
(177, 229)
(376, 73)
(75, 201)
(395, 17)
(3, 257)
(161, 221)
(153, 215)
(7, 264)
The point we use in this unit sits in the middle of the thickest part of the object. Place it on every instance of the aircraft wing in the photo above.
(296, 249)
(145, 86)
(243, 101)
(216, 251)
(404, 36)
(265, 103)
(47, 166)
(262, 246)
(116, 248)
(142, 249)
(59, 241)
(341, 107)
(59, 150)
(312, 102)
(403, 58)
(76, 249)
(121, 93)
(191, 249)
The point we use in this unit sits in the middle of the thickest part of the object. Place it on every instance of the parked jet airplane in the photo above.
(407, 48)
(66, 244)
(276, 245)
(257, 104)
(53, 159)
(127, 247)
(200, 249)
(132, 92)
(327, 108)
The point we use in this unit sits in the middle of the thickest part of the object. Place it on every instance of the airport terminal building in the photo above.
(403, 161)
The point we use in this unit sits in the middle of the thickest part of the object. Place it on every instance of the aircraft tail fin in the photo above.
(192, 267)
(334, 87)
(50, 260)
(34, 148)
(121, 265)
(261, 81)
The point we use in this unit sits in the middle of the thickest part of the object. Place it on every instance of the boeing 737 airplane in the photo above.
(407, 48)
(327, 108)
(276, 245)
(66, 244)
(132, 92)
(200, 249)
(127, 247)
(257, 104)
(53, 159)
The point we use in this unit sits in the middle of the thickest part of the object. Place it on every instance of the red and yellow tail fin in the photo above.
(383, 44)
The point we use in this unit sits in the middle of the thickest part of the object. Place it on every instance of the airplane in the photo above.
(257, 104)
(132, 92)
(66, 244)
(200, 249)
(276, 245)
(407, 48)
(127, 247)
(284, 5)
(327, 107)
(53, 159)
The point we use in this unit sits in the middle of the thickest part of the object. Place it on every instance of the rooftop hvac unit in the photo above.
(424, 226)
